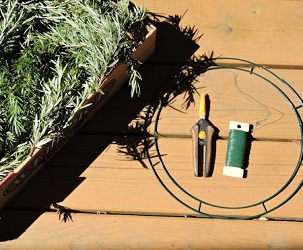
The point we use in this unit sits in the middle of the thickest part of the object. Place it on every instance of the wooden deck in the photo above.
(103, 185)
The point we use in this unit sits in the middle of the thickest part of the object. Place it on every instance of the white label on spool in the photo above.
(239, 126)
(233, 171)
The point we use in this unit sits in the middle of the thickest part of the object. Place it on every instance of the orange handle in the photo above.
(202, 111)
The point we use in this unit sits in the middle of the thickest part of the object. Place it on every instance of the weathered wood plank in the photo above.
(240, 96)
(145, 232)
(115, 182)
(91, 175)
(266, 32)
(270, 166)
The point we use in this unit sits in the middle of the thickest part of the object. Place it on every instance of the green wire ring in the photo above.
(262, 202)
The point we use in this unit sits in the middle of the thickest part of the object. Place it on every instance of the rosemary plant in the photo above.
(53, 53)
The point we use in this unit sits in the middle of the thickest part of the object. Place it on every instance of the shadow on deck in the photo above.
(174, 48)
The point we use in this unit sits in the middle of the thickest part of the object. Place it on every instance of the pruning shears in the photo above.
(202, 135)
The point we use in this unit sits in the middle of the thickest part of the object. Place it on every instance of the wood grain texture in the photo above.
(265, 32)
(270, 166)
(103, 169)
(116, 182)
(239, 96)
(145, 232)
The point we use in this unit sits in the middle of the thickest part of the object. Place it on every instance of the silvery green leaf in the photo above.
(43, 142)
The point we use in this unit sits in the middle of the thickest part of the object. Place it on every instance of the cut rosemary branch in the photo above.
(53, 54)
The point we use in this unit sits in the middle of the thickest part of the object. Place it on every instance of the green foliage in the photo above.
(52, 55)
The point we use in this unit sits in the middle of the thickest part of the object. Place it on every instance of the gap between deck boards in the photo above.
(66, 210)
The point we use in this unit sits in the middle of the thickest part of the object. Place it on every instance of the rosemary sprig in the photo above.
(53, 54)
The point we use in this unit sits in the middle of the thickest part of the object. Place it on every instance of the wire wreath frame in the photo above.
(200, 204)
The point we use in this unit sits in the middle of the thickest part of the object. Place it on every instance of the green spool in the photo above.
(236, 148)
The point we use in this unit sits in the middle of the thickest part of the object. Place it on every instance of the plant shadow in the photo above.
(170, 72)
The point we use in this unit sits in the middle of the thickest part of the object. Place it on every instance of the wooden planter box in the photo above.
(16, 180)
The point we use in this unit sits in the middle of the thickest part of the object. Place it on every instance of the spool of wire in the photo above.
(236, 148)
